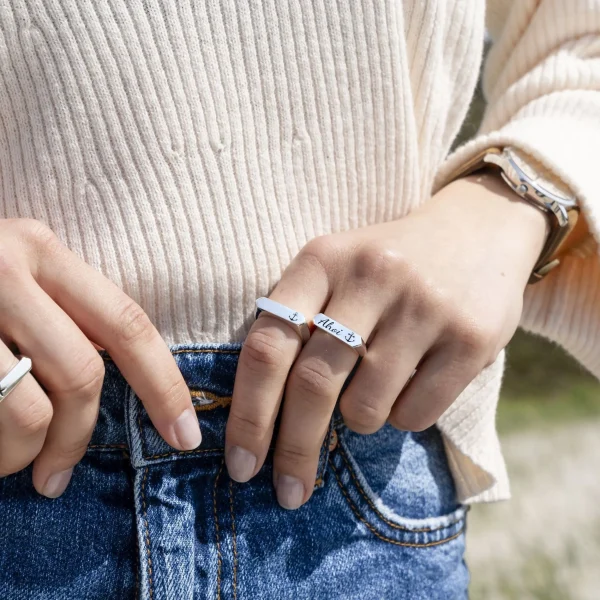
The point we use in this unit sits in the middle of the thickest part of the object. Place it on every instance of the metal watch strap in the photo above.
(562, 212)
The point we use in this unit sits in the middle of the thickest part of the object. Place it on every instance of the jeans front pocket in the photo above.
(398, 485)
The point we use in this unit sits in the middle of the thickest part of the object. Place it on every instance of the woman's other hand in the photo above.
(439, 291)
(54, 307)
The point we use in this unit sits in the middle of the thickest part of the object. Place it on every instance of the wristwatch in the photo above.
(561, 209)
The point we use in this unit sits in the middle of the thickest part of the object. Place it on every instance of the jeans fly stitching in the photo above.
(183, 453)
(147, 529)
(219, 556)
(234, 540)
(138, 561)
(139, 423)
(381, 536)
(376, 510)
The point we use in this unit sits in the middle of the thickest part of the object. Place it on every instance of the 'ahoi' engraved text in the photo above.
(329, 325)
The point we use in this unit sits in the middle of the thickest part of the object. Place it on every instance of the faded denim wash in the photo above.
(142, 520)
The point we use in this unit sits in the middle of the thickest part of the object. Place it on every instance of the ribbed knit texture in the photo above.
(188, 149)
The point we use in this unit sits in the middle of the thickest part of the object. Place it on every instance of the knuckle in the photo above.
(375, 262)
(248, 425)
(294, 455)
(474, 340)
(423, 301)
(174, 395)
(133, 324)
(34, 418)
(317, 252)
(72, 454)
(89, 380)
(312, 377)
(37, 234)
(362, 416)
(430, 302)
(262, 352)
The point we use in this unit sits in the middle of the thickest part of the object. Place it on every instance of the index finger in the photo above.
(264, 364)
(111, 319)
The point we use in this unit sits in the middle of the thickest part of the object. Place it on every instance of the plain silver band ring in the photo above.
(14, 377)
(341, 332)
(288, 315)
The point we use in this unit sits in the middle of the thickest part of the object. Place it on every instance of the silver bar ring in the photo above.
(341, 332)
(288, 315)
(10, 381)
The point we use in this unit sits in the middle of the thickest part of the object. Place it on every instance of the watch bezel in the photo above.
(523, 184)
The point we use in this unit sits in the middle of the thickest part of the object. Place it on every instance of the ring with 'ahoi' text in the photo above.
(341, 332)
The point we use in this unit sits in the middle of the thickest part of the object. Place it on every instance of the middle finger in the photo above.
(313, 388)
(265, 360)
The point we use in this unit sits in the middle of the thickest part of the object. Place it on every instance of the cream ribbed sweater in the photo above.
(189, 148)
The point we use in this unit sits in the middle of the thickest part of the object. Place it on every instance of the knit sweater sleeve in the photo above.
(541, 81)
(542, 85)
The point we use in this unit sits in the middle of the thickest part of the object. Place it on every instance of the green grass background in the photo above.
(543, 386)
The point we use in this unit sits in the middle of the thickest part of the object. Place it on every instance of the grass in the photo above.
(547, 404)
(583, 402)
(536, 578)
(543, 386)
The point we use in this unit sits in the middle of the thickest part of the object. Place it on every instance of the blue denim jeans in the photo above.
(141, 520)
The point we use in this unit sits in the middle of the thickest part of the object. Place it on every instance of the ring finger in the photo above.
(396, 350)
(264, 364)
(24, 418)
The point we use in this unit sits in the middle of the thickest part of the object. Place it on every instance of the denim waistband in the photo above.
(209, 371)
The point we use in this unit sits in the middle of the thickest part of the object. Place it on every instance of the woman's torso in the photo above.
(188, 150)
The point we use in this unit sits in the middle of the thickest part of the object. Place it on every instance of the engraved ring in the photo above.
(287, 315)
(340, 332)
(14, 376)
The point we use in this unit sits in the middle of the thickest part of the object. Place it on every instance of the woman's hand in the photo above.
(439, 291)
(52, 307)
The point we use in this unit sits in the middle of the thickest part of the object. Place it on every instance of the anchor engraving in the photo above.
(293, 317)
(350, 337)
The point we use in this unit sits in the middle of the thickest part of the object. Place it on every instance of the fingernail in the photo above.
(240, 463)
(187, 430)
(290, 492)
(57, 483)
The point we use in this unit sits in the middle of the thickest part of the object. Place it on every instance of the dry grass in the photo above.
(545, 543)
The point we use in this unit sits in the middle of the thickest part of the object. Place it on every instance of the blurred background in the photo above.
(544, 544)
